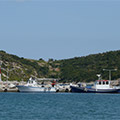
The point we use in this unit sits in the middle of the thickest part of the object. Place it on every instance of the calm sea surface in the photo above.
(59, 106)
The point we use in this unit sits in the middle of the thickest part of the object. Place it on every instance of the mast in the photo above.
(110, 70)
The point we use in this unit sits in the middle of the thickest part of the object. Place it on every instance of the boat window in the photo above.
(107, 82)
(103, 82)
(100, 83)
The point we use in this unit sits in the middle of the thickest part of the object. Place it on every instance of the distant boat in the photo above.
(33, 86)
(100, 86)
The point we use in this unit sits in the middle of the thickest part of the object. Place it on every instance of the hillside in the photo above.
(24, 68)
(74, 69)
(86, 68)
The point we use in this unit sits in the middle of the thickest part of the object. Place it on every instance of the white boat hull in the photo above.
(22, 88)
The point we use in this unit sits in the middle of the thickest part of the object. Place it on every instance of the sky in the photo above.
(59, 29)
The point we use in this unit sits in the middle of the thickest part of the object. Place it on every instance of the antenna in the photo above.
(99, 76)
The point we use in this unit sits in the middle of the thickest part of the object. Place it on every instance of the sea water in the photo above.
(59, 106)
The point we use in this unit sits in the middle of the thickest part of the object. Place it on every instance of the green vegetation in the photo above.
(86, 68)
(75, 69)
(24, 68)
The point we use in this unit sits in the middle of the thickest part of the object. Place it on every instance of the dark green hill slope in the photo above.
(86, 68)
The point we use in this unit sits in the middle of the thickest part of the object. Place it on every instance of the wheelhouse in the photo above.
(102, 82)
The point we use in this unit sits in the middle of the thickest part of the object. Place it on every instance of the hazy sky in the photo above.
(59, 29)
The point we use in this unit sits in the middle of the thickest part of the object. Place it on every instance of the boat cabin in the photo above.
(31, 81)
(102, 84)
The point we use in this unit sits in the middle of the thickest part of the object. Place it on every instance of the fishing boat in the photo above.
(100, 86)
(33, 86)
